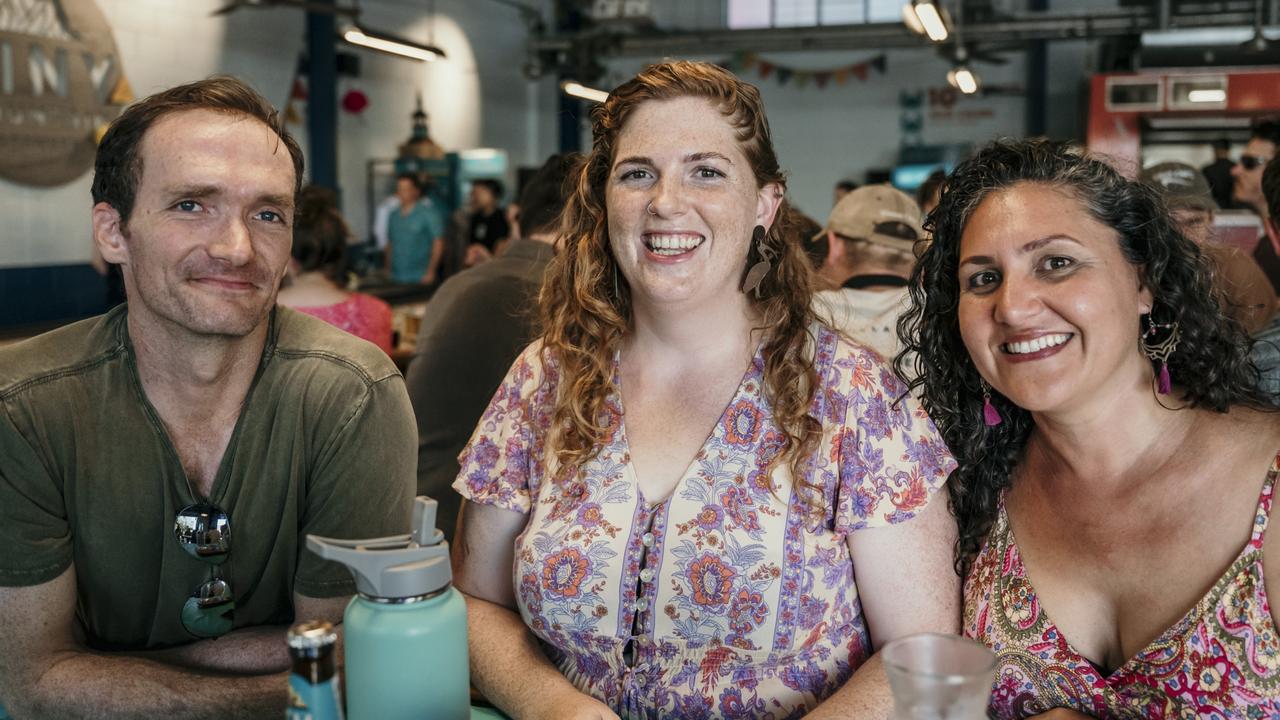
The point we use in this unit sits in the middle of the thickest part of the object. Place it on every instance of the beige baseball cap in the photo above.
(877, 213)
(1182, 185)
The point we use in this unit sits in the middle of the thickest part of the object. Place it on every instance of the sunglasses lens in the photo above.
(1249, 162)
(210, 611)
(204, 532)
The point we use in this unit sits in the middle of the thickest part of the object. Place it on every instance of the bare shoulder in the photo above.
(1255, 433)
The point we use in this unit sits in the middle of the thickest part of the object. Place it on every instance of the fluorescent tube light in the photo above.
(963, 79)
(391, 45)
(579, 90)
(1207, 96)
(926, 17)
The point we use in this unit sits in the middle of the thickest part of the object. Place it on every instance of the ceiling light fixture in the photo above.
(963, 79)
(927, 17)
(1207, 96)
(392, 45)
(579, 90)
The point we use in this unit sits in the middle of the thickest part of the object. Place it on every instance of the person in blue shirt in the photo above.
(415, 236)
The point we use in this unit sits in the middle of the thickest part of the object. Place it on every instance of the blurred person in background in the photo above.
(929, 190)
(689, 498)
(315, 283)
(1247, 191)
(1266, 348)
(844, 187)
(1218, 173)
(1246, 291)
(415, 235)
(867, 257)
(1117, 464)
(479, 322)
(488, 228)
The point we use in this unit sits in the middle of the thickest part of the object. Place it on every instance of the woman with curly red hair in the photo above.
(670, 492)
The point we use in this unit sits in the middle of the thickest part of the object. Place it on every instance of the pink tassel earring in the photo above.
(1160, 351)
(990, 416)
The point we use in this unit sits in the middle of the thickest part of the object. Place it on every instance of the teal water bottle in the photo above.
(313, 683)
(405, 632)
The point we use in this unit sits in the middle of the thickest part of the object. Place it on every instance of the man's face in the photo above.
(1195, 223)
(1248, 181)
(407, 191)
(482, 197)
(208, 240)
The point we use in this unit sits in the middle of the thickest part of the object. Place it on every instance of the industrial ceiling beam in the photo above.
(1014, 29)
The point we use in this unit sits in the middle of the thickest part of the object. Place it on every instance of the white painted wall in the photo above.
(823, 135)
(479, 98)
(476, 98)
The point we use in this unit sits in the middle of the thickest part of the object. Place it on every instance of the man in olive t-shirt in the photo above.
(161, 465)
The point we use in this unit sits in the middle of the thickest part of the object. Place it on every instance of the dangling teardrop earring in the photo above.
(757, 272)
(990, 416)
(1160, 351)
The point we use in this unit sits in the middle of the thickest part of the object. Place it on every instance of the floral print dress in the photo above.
(1221, 660)
(726, 599)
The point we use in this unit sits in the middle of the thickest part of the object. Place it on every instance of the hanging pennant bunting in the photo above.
(299, 90)
(741, 62)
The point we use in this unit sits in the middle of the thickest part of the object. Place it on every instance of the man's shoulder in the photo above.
(65, 351)
(306, 339)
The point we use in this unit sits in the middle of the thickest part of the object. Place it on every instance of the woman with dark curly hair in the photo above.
(1115, 466)
(670, 492)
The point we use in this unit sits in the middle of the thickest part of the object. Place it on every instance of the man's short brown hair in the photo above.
(117, 168)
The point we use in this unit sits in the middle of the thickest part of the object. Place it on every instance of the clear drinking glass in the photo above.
(939, 677)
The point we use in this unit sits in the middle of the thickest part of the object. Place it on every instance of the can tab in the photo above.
(395, 567)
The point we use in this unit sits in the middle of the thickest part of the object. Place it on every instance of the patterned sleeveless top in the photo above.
(1221, 660)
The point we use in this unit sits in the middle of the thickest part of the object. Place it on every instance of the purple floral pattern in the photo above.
(735, 601)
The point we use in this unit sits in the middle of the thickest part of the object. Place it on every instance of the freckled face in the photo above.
(208, 240)
(1048, 305)
(681, 202)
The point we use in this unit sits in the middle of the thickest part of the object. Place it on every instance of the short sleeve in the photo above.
(892, 461)
(500, 464)
(362, 485)
(35, 535)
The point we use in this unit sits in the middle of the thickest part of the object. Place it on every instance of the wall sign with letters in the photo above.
(61, 82)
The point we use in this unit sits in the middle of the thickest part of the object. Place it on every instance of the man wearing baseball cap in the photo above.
(865, 255)
(1249, 295)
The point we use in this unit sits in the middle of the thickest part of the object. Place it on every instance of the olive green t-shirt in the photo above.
(326, 443)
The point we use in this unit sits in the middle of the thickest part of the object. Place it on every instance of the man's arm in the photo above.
(907, 585)
(433, 266)
(44, 673)
(252, 650)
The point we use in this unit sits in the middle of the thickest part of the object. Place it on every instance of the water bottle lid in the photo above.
(401, 566)
(311, 635)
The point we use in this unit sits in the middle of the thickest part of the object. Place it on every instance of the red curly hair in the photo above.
(586, 304)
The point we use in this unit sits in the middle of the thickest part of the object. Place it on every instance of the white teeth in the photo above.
(672, 244)
(1040, 343)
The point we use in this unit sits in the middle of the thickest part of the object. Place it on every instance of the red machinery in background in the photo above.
(1131, 113)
